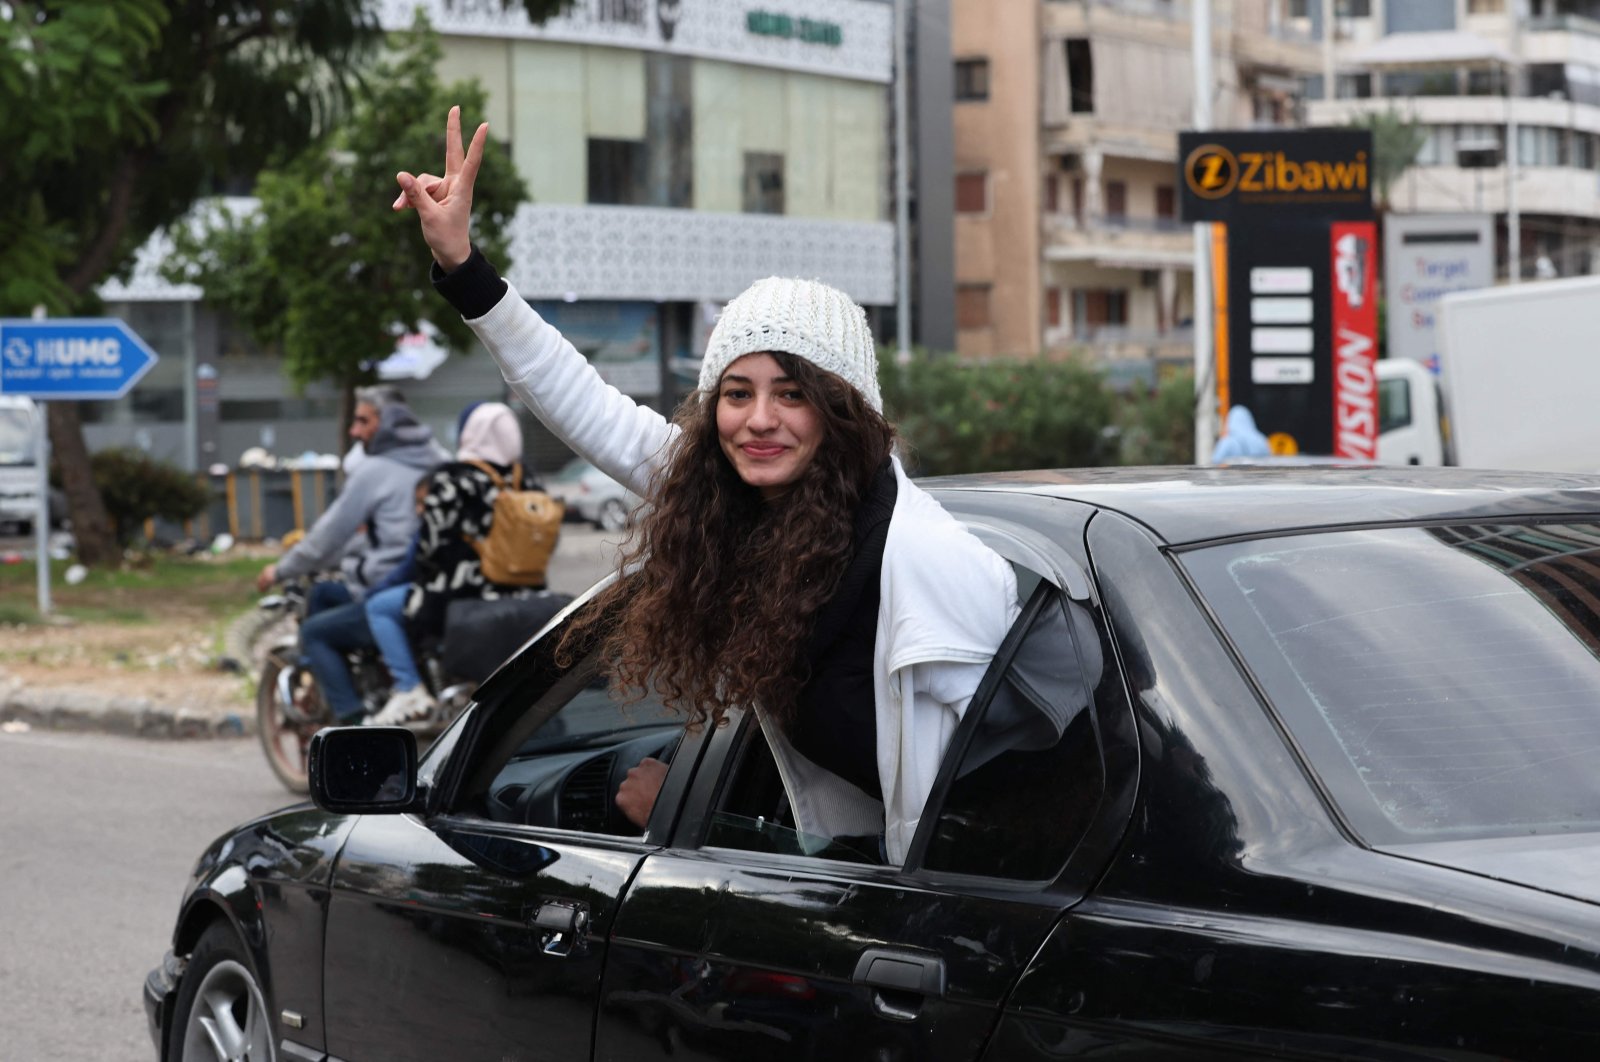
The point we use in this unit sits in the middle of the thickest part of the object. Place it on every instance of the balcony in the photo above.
(1113, 344)
(1119, 241)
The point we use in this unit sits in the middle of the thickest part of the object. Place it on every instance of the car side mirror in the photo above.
(363, 769)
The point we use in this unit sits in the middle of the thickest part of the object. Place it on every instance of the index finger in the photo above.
(452, 142)
(469, 169)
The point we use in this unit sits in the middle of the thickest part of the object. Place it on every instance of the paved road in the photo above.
(97, 838)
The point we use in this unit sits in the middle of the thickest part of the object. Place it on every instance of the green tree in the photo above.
(323, 270)
(118, 114)
(1396, 142)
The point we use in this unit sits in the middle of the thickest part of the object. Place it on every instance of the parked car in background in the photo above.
(19, 467)
(593, 496)
(1275, 763)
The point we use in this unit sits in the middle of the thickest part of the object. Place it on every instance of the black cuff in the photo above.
(473, 287)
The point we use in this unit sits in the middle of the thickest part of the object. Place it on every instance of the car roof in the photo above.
(1188, 505)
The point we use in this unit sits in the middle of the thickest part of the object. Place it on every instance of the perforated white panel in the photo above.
(598, 252)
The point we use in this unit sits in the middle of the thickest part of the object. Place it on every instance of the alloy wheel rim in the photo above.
(228, 1020)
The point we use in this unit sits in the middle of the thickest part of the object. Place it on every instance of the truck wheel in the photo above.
(221, 1013)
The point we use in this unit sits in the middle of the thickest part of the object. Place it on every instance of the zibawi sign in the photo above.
(1355, 341)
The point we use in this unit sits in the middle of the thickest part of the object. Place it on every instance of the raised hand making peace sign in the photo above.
(444, 204)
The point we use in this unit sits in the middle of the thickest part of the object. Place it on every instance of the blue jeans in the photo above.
(334, 625)
(384, 616)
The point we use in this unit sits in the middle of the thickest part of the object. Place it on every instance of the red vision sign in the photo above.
(1355, 340)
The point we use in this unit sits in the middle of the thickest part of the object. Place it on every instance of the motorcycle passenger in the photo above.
(458, 506)
(378, 502)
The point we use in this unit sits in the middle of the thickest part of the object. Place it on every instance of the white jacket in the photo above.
(946, 599)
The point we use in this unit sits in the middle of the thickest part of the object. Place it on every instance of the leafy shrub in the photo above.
(1156, 427)
(963, 416)
(136, 487)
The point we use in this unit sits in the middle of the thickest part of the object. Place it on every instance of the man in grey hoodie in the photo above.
(379, 502)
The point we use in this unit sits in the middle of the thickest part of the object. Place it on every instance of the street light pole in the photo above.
(1513, 149)
(1205, 404)
(902, 185)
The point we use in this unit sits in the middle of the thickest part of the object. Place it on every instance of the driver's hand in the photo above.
(268, 576)
(637, 793)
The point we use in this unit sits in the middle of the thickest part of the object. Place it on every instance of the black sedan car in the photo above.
(1275, 763)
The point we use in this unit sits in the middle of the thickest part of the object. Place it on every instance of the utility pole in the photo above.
(1513, 91)
(1205, 401)
(902, 184)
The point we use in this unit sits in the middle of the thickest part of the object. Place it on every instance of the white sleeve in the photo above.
(620, 437)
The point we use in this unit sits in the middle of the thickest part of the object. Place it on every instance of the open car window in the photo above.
(1027, 720)
(558, 766)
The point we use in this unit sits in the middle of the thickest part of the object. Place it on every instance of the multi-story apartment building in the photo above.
(1066, 133)
(1466, 71)
(674, 152)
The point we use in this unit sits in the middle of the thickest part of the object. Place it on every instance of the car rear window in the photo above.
(1443, 681)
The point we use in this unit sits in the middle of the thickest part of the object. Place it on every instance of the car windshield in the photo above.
(1444, 682)
(16, 437)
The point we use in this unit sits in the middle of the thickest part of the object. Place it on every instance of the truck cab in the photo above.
(19, 476)
(1413, 428)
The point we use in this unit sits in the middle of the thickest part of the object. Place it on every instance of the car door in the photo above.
(479, 931)
(732, 943)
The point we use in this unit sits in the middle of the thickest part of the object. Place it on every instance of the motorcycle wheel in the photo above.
(284, 739)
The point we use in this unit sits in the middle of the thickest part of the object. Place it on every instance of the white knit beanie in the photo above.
(805, 318)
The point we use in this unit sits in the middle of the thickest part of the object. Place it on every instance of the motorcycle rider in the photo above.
(364, 533)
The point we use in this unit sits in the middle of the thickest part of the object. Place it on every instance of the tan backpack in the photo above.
(522, 533)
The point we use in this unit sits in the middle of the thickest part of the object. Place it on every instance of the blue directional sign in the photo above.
(71, 358)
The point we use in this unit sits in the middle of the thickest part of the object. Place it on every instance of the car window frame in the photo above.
(1017, 543)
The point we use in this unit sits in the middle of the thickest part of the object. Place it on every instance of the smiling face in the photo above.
(767, 427)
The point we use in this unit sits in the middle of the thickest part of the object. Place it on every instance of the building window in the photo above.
(1166, 201)
(1052, 307)
(1352, 8)
(1116, 199)
(1097, 308)
(763, 182)
(972, 306)
(617, 172)
(972, 193)
(1052, 194)
(1486, 7)
(1077, 199)
(1080, 75)
(972, 79)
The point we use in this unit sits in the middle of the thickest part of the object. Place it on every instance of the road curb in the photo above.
(77, 709)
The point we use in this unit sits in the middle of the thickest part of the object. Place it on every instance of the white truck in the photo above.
(19, 474)
(1520, 383)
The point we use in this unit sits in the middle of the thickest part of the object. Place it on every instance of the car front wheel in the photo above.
(221, 1014)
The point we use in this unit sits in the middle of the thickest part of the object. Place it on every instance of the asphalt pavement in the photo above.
(98, 837)
(583, 556)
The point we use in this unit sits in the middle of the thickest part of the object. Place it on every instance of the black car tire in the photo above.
(613, 515)
(221, 1012)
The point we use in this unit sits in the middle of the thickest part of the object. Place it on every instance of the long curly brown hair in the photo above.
(729, 583)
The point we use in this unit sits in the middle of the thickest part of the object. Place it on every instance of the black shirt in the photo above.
(836, 721)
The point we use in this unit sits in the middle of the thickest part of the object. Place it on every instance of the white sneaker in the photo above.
(407, 706)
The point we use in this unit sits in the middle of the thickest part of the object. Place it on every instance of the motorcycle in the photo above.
(290, 706)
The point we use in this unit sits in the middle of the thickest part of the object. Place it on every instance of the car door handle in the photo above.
(900, 980)
(561, 926)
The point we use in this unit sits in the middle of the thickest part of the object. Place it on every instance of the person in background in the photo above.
(457, 506)
(377, 501)
(1241, 438)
